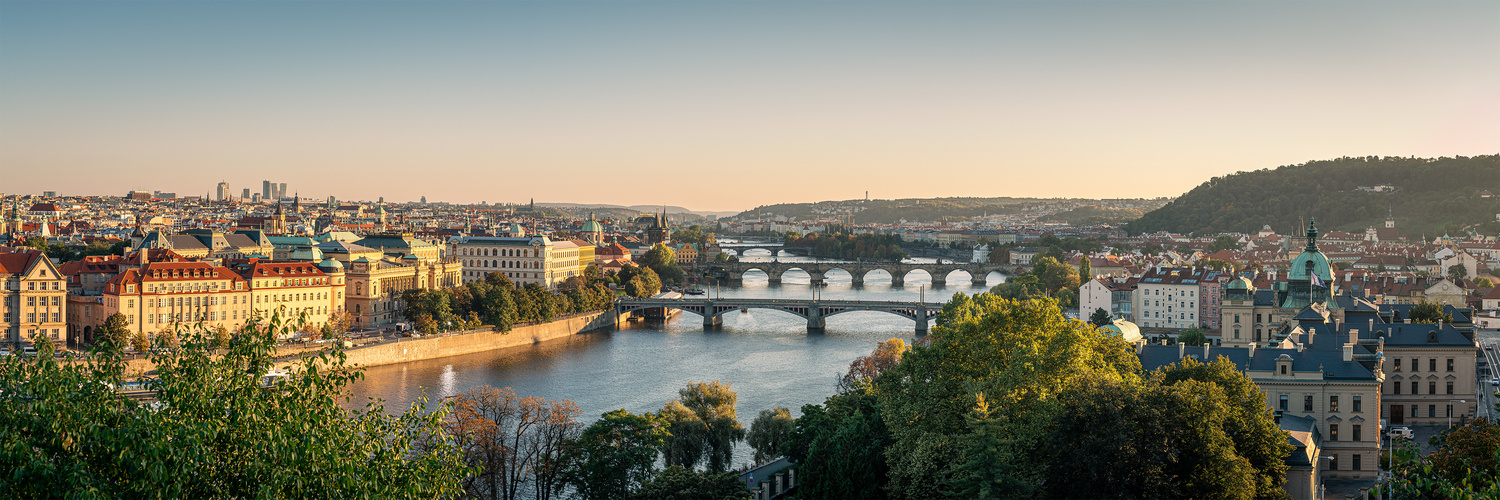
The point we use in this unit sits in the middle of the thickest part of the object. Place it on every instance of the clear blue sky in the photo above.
(727, 105)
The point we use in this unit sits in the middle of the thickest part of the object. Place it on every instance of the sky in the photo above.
(727, 105)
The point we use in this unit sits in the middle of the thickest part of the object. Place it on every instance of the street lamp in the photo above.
(1450, 410)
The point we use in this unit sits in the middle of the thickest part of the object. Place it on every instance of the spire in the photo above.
(1312, 235)
(297, 203)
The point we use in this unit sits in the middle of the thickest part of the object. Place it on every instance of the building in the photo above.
(296, 292)
(373, 286)
(1169, 297)
(524, 260)
(33, 301)
(1250, 314)
(162, 295)
(1431, 370)
(593, 232)
(224, 192)
(1321, 371)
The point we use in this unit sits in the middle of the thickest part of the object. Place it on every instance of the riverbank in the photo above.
(468, 342)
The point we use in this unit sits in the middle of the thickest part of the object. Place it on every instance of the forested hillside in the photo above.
(1431, 196)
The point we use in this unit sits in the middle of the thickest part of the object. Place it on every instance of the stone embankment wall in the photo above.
(415, 349)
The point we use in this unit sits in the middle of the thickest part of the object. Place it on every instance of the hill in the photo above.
(1430, 196)
(942, 209)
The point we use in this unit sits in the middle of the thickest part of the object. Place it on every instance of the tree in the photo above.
(679, 483)
(115, 331)
(1019, 355)
(721, 257)
(708, 425)
(216, 431)
(514, 443)
(643, 284)
(1224, 242)
(769, 433)
(1482, 282)
(1464, 465)
(1101, 317)
(865, 369)
(1429, 312)
(1457, 272)
(614, 455)
(1085, 269)
(1192, 336)
(140, 342)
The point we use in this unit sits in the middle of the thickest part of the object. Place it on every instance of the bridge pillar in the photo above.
(817, 277)
(921, 320)
(711, 321)
(979, 278)
(857, 277)
(815, 321)
(898, 278)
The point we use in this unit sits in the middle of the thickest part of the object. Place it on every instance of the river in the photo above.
(768, 357)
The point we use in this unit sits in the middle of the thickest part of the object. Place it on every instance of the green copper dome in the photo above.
(1240, 283)
(1311, 261)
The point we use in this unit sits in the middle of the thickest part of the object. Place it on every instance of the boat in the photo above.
(693, 290)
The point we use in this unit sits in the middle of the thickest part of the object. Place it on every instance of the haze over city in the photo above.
(728, 105)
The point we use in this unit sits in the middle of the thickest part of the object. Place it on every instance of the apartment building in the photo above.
(303, 293)
(1169, 297)
(524, 260)
(160, 295)
(33, 299)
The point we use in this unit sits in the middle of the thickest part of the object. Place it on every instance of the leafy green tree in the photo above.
(1248, 422)
(716, 429)
(1085, 269)
(721, 257)
(1457, 272)
(686, 441)
(219, 430)
(1224, 242)
(865, 370)
(615, 455)
(140, 342)
(1020, 355)
(680, 483)
(1429, 312)
(769, 433)
(643, 284)
(115, 332)
(1192, 336)
(1464, 465)
(1483, 282)
(1101, 317)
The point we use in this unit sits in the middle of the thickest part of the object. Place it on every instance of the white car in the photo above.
(28, 351)
(1399, 432)
(1495, 381)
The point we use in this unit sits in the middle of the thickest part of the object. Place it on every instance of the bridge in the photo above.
(814, 311)
(735, 271)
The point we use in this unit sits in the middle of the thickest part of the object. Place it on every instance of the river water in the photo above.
(768, 357)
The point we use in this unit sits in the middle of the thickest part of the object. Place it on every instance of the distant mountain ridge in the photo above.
(1426, 196)
(671, 209)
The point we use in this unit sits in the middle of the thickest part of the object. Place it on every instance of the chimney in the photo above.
(1181, 350)
(1299, 347)
(1252, 350)
(1205, 350)
(1353, 336)
(1348, 352)
(1407, 321)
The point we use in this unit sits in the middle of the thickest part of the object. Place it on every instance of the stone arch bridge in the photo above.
(735, 271)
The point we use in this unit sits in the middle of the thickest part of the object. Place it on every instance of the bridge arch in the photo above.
(916, 274)
(876, 274)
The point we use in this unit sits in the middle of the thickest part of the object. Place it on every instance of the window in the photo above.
(1257, 317)
(1450, 387)
(1450, 366)
(1450, 407)
(1236, 333)
(1307, 403)
(1354, 431)
(31, 301)
(57, 301)
(1333, 403)
(1333, 432)
(1432, 410)
(1414, 388)
(1397, 387)
(1357, 405)
(1414, 365)
(1413, 411)
(1398, 364)
(1432, 387)
(1236, 318)
(1356, 461)
(1283, 402)
(1432, 365)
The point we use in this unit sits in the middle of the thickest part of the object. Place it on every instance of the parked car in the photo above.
(28, 350)
(1399, 432)
(1495, 381)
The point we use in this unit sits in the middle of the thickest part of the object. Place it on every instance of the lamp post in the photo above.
(1450, 410)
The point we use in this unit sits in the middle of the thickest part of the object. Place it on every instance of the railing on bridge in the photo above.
(815, 312)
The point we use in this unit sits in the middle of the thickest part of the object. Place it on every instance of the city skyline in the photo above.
(727, 106)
